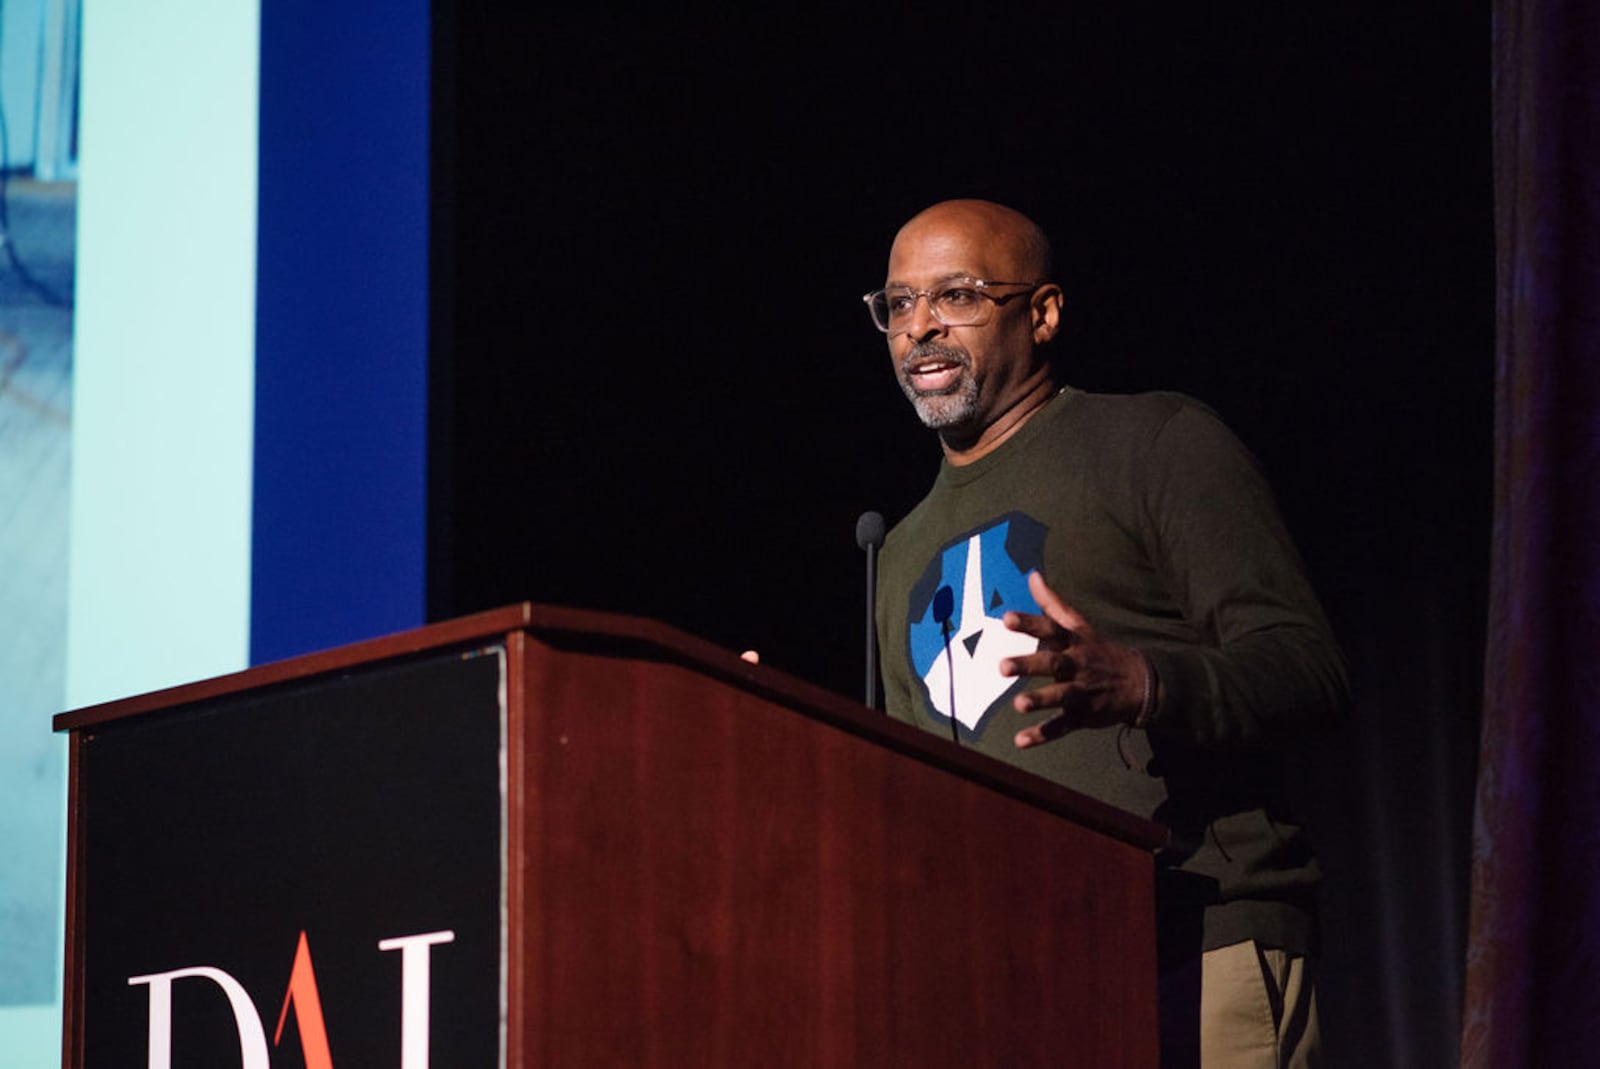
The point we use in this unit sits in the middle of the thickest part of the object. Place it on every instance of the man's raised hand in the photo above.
(1091, 682)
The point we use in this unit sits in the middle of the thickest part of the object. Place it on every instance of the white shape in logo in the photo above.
(974, 654)
(252, 1040)
(414, 984)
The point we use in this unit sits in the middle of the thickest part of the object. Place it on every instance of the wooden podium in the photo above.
(538, 836)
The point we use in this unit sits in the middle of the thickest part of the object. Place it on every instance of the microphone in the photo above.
(869, 536)
(944, 607)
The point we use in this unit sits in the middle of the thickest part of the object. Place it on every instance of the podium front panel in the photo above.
(300, 872)
(705, 876)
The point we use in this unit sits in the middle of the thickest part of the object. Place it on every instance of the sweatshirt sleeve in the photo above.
(1266, 664)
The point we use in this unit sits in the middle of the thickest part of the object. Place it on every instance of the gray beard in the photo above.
(948, 408)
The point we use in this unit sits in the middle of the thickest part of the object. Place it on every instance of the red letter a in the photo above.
(307, 1010)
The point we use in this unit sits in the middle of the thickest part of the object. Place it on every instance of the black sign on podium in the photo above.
(268, 868)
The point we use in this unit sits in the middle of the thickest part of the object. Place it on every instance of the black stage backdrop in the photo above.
(656, 390)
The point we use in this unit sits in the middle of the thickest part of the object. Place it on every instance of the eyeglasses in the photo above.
(957, 302)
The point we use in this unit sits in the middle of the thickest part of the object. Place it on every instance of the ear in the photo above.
(1046, 308)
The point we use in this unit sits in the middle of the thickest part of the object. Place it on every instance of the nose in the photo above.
(923, 324)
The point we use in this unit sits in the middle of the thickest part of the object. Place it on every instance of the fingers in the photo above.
(1060, 622)
(1057, 629)
(1040, 627)
(1036, 734)
(1054, 696)
(1056, 609)
(1070, 654)
(1069, 704)
(1046, 662)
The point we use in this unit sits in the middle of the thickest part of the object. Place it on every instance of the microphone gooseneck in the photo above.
(944, 607)
(869, 536)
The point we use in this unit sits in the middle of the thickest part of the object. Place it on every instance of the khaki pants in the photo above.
(1258, 1009)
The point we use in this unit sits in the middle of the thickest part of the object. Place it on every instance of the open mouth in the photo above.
(935, 372)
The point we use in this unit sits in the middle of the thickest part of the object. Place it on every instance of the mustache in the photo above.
(934, 350)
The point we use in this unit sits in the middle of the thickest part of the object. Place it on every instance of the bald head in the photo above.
(1014, 245)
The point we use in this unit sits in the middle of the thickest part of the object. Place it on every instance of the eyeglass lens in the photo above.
(954, 304)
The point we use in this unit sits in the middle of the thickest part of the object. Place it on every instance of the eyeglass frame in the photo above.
(977, 285)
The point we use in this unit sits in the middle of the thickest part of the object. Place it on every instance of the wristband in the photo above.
(1147, 706)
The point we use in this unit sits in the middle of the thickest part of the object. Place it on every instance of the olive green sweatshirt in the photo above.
(1147, 516)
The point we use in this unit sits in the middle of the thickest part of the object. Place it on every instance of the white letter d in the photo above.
(252, 1039)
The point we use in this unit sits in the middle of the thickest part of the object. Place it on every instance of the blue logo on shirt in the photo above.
(957, 639)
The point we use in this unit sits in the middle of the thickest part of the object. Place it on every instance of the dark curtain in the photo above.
(657, 391)
(1533, 987)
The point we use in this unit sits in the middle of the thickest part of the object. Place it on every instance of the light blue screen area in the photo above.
(35, 463)
(36, 280)
(138, 571)
(164, 378)
(36, 272)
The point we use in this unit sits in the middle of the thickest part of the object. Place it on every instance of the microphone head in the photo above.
(869, 530)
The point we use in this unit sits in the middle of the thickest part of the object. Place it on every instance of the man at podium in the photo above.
(1099, 589)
